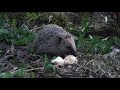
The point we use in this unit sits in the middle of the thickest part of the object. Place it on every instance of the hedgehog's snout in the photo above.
(74, 53)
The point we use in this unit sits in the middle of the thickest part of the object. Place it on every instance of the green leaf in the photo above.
(20, 73)
(49, 66)
(2, 22)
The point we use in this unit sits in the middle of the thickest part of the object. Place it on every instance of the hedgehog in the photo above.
(53, 40)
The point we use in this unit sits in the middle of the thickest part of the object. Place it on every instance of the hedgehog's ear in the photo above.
(75, 37)
(67, 36)
(59, 39)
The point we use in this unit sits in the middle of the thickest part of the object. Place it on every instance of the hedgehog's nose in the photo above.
(74, 53)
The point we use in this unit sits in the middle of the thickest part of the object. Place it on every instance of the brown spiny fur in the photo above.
(53, 40)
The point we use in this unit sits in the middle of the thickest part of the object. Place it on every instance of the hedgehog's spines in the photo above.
(50, 38)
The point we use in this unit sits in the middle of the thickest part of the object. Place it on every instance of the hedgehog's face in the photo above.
(67, 45)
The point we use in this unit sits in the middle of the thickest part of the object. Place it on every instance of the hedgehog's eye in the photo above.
(68, 47)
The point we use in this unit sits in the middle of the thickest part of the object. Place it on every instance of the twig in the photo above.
(10, 50)
(33, 69)
(73, 14)
(35, 28)
(6, 58)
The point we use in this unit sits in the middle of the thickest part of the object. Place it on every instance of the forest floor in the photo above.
(89, 66)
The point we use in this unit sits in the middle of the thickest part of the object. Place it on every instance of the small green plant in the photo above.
(84, 28)
(32, 75)
(48, 66)
(9, 32)
(116, 41)
(85, 24)
(17, 36)
(20, 73)
(31, 16)
(97, 45)
(93, 44)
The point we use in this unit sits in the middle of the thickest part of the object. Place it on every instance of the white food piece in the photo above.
(106, 19)
(70, 59)
(116, 50)
(106, 56)
(58, 61)
(90, 37)
(112, 54)
(50, 18)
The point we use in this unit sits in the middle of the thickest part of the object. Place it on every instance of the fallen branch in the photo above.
(73, 14)
(41, 68)
(6, 58)
(10, 50)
